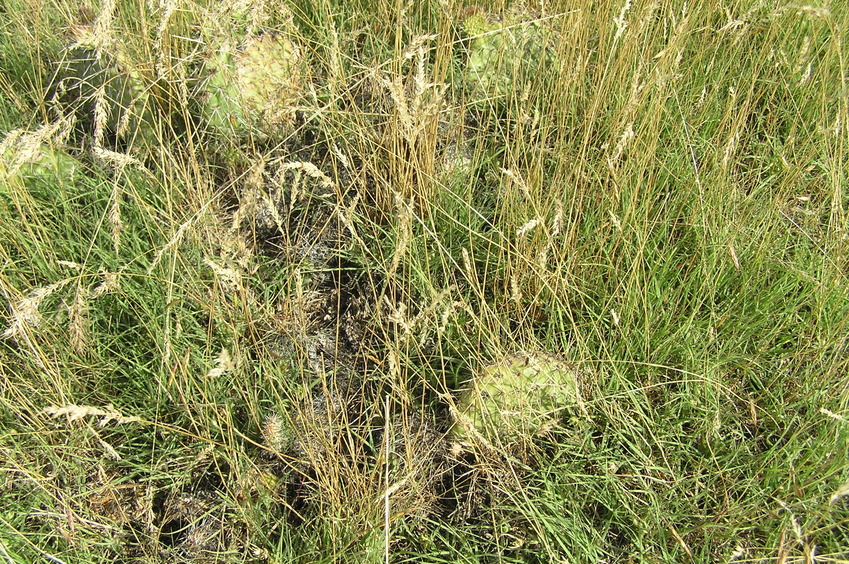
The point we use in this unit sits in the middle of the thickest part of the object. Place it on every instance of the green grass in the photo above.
(255, 359)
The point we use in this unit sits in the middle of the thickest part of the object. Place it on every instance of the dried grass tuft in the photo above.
(106, 414)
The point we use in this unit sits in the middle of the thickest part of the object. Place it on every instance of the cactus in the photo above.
(102, 87)
(512, 401)
(19, 162)
(503, 56)
(252, 90)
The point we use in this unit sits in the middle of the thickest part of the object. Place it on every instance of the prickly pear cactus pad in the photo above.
(503, 56)
(20, 162)
(100, 84)
(252, 90)
(516, 399)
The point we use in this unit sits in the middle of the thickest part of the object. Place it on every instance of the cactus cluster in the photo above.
(517, 398)
(246, 89)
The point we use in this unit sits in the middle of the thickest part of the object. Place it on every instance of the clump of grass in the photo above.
(258, 359)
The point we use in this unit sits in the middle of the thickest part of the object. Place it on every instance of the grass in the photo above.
(252, 346)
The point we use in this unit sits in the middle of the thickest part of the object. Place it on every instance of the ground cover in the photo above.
(426, 282)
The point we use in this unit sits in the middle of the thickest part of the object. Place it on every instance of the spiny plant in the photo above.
(254, 76)
(504, 55)
(99, 83)
(512, 401)
(38, 154)
(254, 89)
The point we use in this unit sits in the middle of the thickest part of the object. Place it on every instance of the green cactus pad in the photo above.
(475, 24)
(253, 90)
(91, 81)
(516, 399)
(505, 56)
(40, 163)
